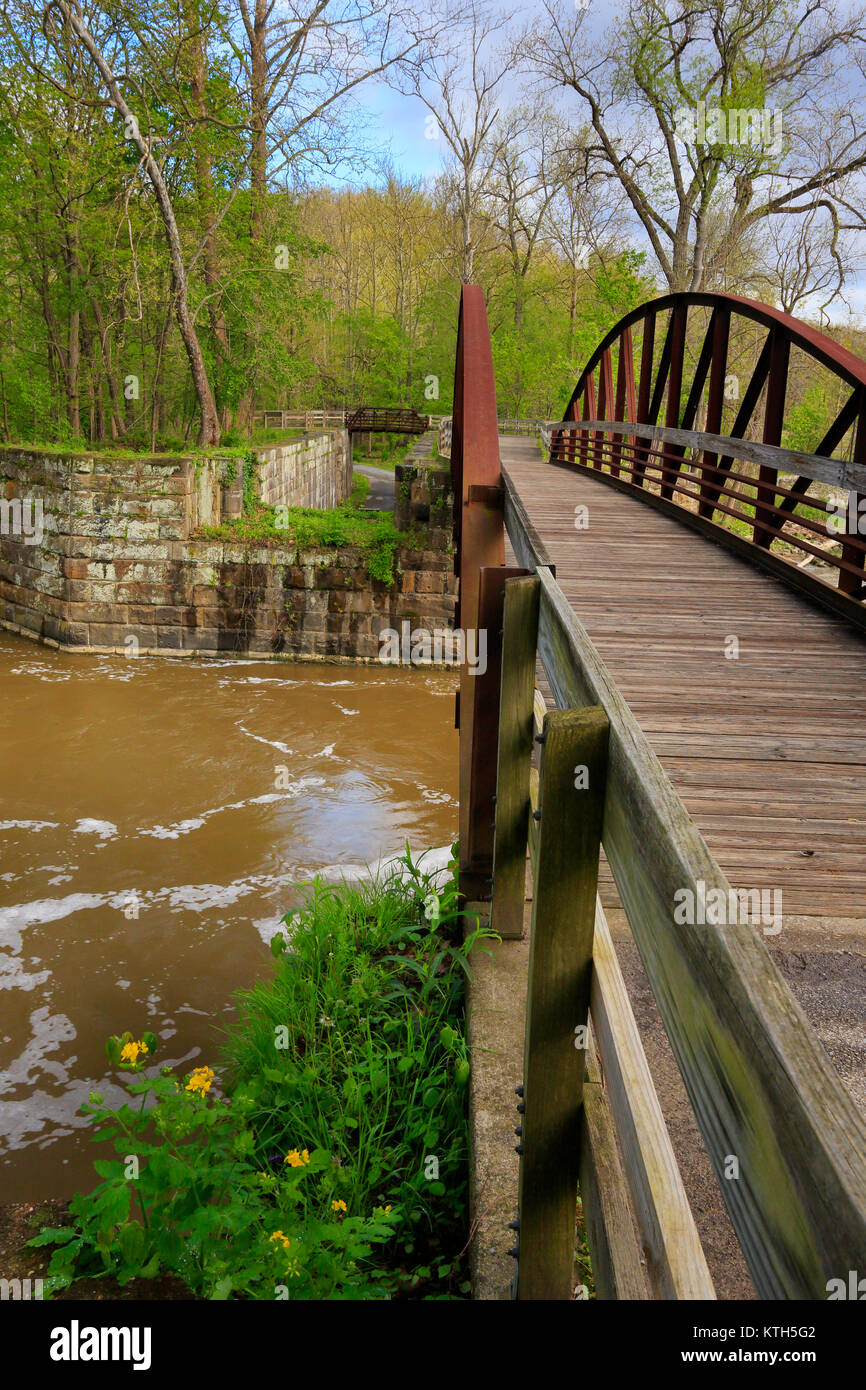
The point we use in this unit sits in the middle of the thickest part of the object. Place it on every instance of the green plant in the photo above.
(250, 482)
(373, 1060)
(309, 528)
(202, 1208)
(334, 1166)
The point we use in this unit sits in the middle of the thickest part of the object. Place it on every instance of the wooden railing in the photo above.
(444, 437)
(390, 419)
(786, 1141)
(300, 419)
(533, 428)
(386, 419)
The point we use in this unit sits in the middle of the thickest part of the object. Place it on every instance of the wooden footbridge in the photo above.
(672, 713)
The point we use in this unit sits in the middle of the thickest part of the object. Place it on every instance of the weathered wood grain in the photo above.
(560, 969)
(677, 1267)
(763, 1090)
(837, 472)
(517, 690)
(618, 1263)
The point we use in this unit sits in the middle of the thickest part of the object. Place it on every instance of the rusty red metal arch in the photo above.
(839, 360)
(671, 463)
(479, 561)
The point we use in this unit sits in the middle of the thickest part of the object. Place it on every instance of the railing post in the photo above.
(851, 583)
(774, 414)
(715, 405)
(479, 538)
(642, 447)
(481, 676)
(673, 454)
(573, 774)
(517, 687)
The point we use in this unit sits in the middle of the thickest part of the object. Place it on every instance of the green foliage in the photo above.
(250, 482)
(808, 419)
(300, 529)
(335, 1164)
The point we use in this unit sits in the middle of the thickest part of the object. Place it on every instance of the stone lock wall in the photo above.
(315, 471)
(115, 562)
(422, 497)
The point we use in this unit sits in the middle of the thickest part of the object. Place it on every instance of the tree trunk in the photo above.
(259, 121)
(204, 184)
(209, 432)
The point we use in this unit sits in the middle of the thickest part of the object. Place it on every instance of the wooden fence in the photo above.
(300, 419)
(787, 1144)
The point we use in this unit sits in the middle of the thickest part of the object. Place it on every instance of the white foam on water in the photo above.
(42, 673)
(29, 824)
(438, 798)
(20, 915)
(184, 827)
(105, 829)
(271, 742)
(433, 862)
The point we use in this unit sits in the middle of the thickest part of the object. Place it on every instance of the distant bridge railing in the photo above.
(785, 1139)
(389, 419)
(508, 425)
(386, 419)
(300, 419)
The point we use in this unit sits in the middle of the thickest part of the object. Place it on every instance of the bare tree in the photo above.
(527, 176)
(806, 261)
(461, 88)
(586, 221)
(299, 64)
(693, 105)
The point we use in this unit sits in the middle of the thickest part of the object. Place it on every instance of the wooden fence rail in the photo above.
(785, 1139)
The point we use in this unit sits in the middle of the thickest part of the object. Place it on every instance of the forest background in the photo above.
(199, 219)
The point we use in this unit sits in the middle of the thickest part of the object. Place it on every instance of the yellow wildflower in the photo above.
(200, 1081)
(277, 1238)
(298, 1160)
(129, 1052)
(339, 1207)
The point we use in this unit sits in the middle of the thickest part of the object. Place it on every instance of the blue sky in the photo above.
(397, 122)
(397, 125)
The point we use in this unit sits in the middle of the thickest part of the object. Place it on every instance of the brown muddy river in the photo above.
(156, 820)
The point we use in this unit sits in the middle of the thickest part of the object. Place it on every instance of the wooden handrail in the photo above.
(837, 472)
(763, 1090)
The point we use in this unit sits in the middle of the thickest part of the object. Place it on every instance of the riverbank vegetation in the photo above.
(326, 1154)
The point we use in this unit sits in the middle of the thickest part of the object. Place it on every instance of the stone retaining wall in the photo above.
(315, 471)
(115, 568)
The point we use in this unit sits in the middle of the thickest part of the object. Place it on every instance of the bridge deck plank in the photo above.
(776, 733)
